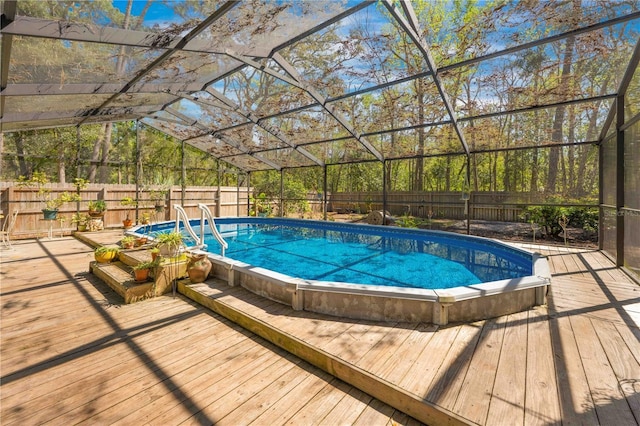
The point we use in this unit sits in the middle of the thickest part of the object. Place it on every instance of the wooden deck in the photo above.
(71, 353)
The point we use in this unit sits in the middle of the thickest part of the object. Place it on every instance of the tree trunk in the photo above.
(494, 171)
(556, 134)
(62, 176)
(95, 155)
(533, 184)
(447, 175)
(104, 158)
(506, 181)
(24, 168)
(101, 152)
(418, 177)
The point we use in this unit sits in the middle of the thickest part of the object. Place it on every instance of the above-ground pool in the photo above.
(375, 272)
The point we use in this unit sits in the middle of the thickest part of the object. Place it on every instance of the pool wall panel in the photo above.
(492, 306)
(357, 306)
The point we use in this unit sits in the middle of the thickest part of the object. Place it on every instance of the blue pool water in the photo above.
(361, 254)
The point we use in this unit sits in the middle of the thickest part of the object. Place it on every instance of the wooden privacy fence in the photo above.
(494, 206)
(223, 201)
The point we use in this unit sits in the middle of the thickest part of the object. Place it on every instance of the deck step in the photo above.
(117, 276)
(134, 256)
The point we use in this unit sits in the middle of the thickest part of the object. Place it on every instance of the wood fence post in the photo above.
(169, 202)
(218, 201)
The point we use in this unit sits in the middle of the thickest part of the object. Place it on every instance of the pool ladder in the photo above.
(181, 214)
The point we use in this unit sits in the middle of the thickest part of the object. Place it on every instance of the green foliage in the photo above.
(171, 239)
(146, 265)
(97, 205)
(128, 239)
(582, 217)
(129, 203)
(37, 180)
(102, 250)
(260, 205)
(80, 218)
(40, 180)
(546, 217)
(145, 217)
(295, 194)
(54, 203)
(407, 221)
(158, 195)
(549, 218)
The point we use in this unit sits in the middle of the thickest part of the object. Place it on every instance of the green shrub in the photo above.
(548, 217)
(407, 221)
(583, 217)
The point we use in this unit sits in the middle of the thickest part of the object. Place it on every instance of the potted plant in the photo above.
(142, 240)
(155, 252)
(145, 218)
(128, 241)
(169, 243)
(51, 204)
(106, 254)
(81, 220)
(129, 203)
(158, 196)
(97, 208)
(141, 270)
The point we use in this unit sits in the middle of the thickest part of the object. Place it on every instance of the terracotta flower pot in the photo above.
(141, 275)
(198, 268)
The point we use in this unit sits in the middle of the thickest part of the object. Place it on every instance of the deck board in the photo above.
(508, 395)
(542, 403)
(576, 403)
(430, 349)
(610, 403)
(474, 397)
(624, 365)
(72, 352)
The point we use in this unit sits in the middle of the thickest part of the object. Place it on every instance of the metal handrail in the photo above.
(204, 211)
(182, 214)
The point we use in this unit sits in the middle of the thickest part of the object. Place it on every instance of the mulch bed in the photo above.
(522, 232)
